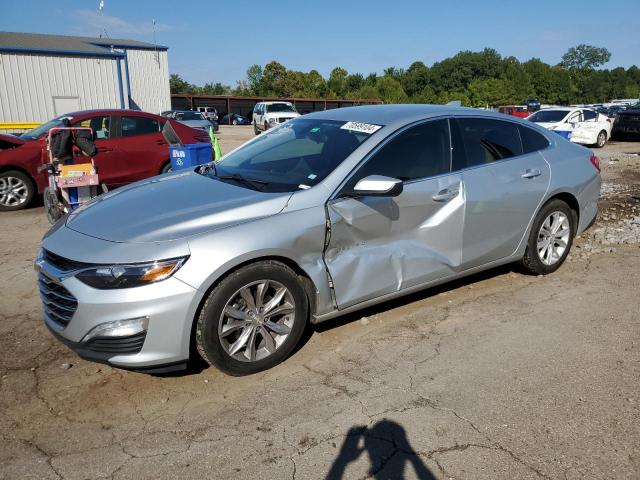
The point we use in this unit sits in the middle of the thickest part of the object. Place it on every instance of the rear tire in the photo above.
(262, 329)
(16, 190)
(550, 238)
(166, 168)
(602, 139)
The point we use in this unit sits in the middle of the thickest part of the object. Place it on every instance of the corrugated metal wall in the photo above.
(29, 83)
(149, 76)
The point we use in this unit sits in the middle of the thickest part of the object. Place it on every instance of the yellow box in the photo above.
(76, 170)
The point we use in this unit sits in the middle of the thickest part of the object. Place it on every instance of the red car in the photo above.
(520, 111)
(130, 147)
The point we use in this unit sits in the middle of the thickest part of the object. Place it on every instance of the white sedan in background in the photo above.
(580, 125)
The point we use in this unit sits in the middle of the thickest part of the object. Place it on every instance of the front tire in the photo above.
(550, 238)
(255, 128)
(16, 190)
(253, 319)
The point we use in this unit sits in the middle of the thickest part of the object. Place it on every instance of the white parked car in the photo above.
(580, 125)
(271, 114)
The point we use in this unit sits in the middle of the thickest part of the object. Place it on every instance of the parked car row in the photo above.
(130, 147)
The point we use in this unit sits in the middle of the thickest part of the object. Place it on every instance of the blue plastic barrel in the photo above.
(190, 155)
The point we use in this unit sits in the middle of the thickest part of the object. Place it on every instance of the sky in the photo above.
(216, 41)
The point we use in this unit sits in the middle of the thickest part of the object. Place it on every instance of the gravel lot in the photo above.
(498, 376)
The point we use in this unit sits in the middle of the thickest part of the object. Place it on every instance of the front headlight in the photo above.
(127, 276)
(273, 120)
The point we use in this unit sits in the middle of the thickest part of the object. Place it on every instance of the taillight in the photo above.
(595, 162)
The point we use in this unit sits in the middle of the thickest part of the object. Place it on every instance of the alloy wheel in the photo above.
(553, 238)
(13, 191)
(256, 320)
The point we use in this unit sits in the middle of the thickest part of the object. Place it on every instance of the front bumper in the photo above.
(168, 305)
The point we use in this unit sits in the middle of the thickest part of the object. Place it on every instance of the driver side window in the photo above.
(419, 152)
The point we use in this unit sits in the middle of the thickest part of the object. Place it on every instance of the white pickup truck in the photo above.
(580, 125)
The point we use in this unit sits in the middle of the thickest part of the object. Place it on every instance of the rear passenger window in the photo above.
(419, 152)
(532, 141)
(486, 140)
(139, 126)
(589, 115)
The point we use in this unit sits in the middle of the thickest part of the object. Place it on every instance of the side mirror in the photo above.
(378, 186)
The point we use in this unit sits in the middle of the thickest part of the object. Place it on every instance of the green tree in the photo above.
(354, 82)
(272, 77)
(254, 80)
(178, 85)
(390, 90)
(337, 83)
(415, 79)
(214, 89)
(580, 62)
(585, 57)
(316, 86)
(491, 92)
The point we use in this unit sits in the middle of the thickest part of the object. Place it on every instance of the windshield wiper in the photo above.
(255, 184)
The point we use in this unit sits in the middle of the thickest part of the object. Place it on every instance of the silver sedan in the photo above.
(323, 215)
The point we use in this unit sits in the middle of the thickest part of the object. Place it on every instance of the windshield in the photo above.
(42, 129)
(294, 156)
(548, 116)
(188, 116)
(280, 107)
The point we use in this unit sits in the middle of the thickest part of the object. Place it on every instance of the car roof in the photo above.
(108, 111)
(271, 102)
(389, 114)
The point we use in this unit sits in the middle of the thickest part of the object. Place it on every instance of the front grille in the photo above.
(282, 120)
(58, 303)
(118, 345)
(62, 263)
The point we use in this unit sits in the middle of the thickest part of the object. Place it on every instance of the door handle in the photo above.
(445, 195)
(104, 149)
(529, 173)
(161, 142)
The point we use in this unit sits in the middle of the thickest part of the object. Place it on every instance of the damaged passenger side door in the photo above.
(383, 244)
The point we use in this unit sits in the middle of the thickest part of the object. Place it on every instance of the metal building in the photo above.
(43, 76)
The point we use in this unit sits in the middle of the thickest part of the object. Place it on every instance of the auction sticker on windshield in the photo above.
(361, 127)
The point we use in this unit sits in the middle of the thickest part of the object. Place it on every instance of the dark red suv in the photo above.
(130, 147)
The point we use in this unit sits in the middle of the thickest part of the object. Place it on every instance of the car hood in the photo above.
(170, 207)
(11, 140)
(282, 114)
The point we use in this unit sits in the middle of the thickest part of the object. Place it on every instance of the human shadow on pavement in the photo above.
(389, 452)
